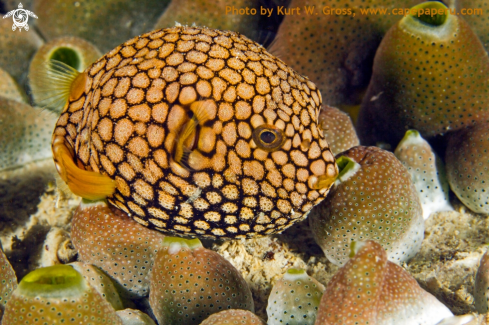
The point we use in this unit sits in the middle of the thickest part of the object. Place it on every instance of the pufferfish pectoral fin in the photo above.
(347, 167)
(55, 83)
(181, 150)
(87, 184)
(324, 181)
(184, 140)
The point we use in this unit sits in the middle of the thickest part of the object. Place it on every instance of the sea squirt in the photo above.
(429, 74)
(294, 299)
(189, 283)
(134, 317)
(233, 316)
(369, 289)
(467, 166)
(8, 281)
(373, 198)
(55, 295)
(335, 50)
(427, 172)
(107, 238)
(338, 129)
(481, 292)
(200, 131)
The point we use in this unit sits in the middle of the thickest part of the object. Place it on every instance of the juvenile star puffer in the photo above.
(200, 132)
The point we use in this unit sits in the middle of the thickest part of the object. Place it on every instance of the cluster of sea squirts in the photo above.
(189, 284)
(415, 86)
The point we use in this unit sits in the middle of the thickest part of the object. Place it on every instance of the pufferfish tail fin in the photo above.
(54, 83)
(87, 184)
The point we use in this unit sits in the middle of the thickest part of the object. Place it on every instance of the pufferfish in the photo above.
(193, 132)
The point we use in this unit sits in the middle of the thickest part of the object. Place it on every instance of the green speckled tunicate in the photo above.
(25, 133)
(104, 23)
(57, 295)
(8, 281)
(294, 299)
(17, 48)
(373, 198)
(335, 51)
(467, 160)
(189, 283)
(429, 74)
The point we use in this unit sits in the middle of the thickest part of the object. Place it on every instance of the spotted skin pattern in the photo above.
(8, 281)
(481, 286)
(233, 317)
(120, 247)
(136, 102)
(369, 289)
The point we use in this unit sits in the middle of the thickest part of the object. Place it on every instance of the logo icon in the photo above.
(20, 16)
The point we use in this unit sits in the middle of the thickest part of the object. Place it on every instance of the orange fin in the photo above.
(54, 83)
(187, 131)
(185, 158)
(201, 114)
(182, 147)
(324, 181)
(87, 184)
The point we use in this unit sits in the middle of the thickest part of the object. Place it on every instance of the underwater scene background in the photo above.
(244, 162)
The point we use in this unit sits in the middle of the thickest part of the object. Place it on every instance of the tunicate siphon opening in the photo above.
(412, 134)
(175, 244)
(295, 274)
(410, 138)
(432, 13)
(52, 282)
(347, 168)
(355, 247)
(67, 56)
(295, 271)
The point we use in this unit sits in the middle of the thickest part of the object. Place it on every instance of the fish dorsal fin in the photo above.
(55, 83)
(87, 184)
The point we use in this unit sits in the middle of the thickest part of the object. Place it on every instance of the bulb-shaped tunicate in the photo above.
(57, 295)
(294, 299)
(189, 283)
(429, 74)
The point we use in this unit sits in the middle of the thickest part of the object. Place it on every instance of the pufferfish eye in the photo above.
(268, 137)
